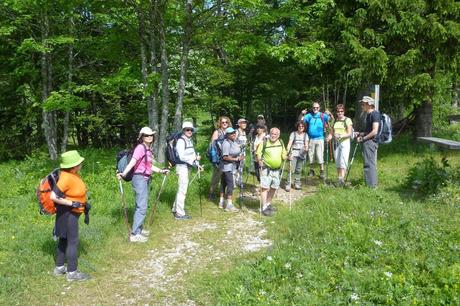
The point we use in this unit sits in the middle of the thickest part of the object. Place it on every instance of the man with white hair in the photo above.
(270, 155)
(188, 159)
(368, 139)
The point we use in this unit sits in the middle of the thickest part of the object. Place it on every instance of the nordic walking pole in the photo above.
(125, 209)
(154, 207)
(351, 163)
(327, 161)
(290, 178)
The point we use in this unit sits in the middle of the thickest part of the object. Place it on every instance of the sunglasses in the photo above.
(341, 111)
(145, 135)
(222, 122)
(188, 130)
(315, 107)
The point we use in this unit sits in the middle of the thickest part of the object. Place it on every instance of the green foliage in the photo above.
(428, 176)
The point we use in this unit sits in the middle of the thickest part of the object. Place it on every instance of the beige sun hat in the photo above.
(145, 131)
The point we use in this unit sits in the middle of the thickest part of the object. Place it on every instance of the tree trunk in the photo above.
(65, 134)
(345, 91)
(183, 64)
(165, 92)
(153, 97)
(423, 120)
(49, 122)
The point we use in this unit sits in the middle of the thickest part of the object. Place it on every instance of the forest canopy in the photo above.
(93, 72)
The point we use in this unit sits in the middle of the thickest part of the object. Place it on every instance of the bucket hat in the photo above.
(70, 159)
(187, 125)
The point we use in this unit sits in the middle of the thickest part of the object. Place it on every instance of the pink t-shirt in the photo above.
(143, 166)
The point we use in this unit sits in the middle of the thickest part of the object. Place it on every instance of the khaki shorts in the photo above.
(270, 178)
(316, 148)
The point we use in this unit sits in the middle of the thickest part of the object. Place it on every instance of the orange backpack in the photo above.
(48, 184)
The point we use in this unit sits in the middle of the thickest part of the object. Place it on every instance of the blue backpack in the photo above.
(171, 153)
(385, 134)
(214, 152)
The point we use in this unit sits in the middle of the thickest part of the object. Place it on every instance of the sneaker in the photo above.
(312, 172)
(321, 174)
(231, 208)
(145, 232)
(138, 238)
(182, 217)
(268, 212)
(297, 187)
(221, 205)
(288, 188)
(60, 270)
(77, 276)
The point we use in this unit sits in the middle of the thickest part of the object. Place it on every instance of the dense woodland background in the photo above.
(93, 72)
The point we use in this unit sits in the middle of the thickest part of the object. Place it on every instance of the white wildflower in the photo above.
(288, 266)
(262, 292)
(269, 258)
(388, 274)
(378, 242)
(354, 296)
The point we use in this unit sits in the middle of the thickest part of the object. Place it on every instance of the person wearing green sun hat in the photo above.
(71, 201)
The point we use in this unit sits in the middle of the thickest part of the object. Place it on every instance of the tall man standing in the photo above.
(316, 125)
(270, 155)
(188, 159)
(368, 139)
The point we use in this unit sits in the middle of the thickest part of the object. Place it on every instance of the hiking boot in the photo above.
(221, 205)
(181, 217)
(268, 212)
(138, 238)
(145, 232)
(77, 276)
(288, 188)
(60, 270)
(340, 183)
(321, 174)
(311, 173)
(271, 207)
(231, 208)
(297, 187)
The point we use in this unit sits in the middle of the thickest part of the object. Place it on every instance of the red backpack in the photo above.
(48, 184)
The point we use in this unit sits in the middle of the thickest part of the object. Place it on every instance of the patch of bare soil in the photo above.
(196, 245)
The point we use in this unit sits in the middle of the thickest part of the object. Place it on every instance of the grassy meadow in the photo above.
(340, 246)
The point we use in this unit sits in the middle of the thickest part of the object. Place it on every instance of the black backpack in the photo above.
(171, 153)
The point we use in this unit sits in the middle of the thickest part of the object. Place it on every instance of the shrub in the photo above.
(428, 175)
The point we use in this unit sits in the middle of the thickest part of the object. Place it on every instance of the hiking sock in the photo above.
(229, 203)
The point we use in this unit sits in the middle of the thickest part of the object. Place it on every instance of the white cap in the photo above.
(146, 131)
(187, 125)
(368, 100)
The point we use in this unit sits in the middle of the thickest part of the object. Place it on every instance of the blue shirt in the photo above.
(315, 125)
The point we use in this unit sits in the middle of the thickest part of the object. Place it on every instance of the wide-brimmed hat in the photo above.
(70, 159)
(187, 125)
(368, 100)
(230, 130)
(146, 131)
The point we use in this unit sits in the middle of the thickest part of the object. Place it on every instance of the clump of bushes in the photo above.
(436, 179)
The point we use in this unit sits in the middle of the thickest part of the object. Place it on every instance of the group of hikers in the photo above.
(314, 131)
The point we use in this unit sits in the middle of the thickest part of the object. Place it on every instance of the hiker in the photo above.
(367, 138)
(253, 128)
(188, 159)
(316, 123)
(241, 141)
(258, 139)
(298, 148)
(270, 155)
(71, 201)
(224, 122)
(142, 161)
(341, 132)
(231, 156)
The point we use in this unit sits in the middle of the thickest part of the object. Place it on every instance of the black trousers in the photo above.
(227, 184)
(68, 246)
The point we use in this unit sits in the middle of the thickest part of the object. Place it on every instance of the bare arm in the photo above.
(58, 200)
